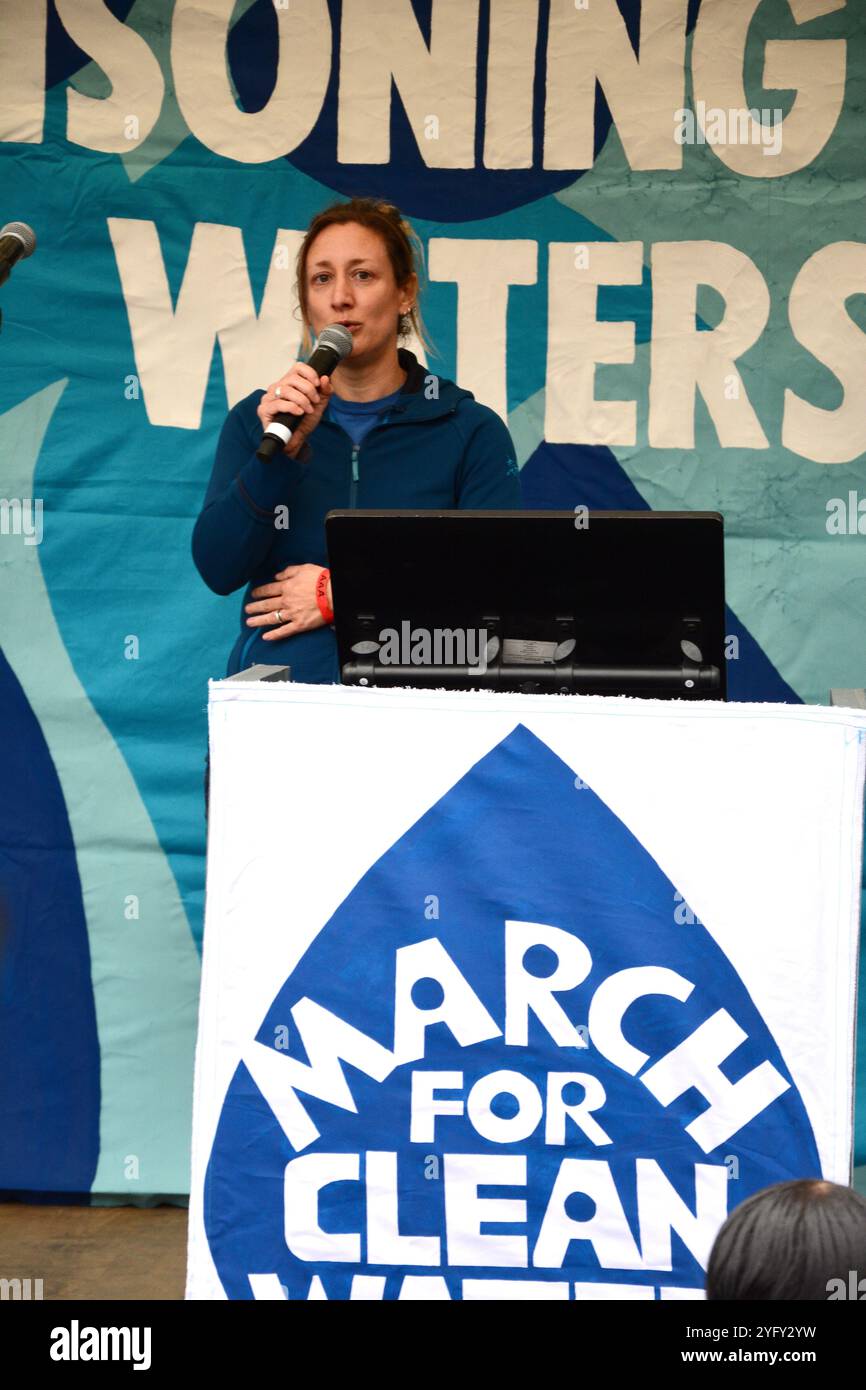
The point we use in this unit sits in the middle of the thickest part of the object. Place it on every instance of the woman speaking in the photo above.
(382, 433)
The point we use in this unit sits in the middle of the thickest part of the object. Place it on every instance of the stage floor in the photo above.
(94, 1252)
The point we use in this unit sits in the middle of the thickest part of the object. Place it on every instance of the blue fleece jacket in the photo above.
(436, 447)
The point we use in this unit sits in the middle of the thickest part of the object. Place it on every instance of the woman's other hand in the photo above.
(288, 605)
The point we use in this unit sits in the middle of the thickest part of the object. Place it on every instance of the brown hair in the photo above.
(402, 243)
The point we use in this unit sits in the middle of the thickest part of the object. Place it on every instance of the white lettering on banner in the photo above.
(328, 1041)
(607, 1229)
(593, 46)
(22, 76)
(813, 68)
(382, 50)
(526, 993)
(304, 1179)
(558, 1111)
(382, 46)
(483, 271)
(385, 1244)
(499, 1129)
(692, 1064)
(577, 342)
(510, 82)
(425, 1105)
(174, 346)
(616, 994)
(460, 1008)
(513, 1290)
(207, 102)
(661, 1211)
(429, 1288)
(465, 1211)
(100, 123)
(685, 360)
(821, 322)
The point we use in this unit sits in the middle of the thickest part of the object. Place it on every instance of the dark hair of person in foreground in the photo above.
(793, 1241)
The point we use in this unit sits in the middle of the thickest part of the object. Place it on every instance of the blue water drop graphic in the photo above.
(511, 841)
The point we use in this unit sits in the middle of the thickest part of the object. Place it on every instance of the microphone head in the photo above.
(25, 235)
(337, 338)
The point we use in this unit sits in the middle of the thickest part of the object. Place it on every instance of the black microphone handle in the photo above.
(323, 361)
(11, 250)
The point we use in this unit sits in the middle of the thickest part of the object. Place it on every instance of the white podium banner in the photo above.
(515, 996)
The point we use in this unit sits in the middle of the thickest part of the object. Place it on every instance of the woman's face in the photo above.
(350, 280)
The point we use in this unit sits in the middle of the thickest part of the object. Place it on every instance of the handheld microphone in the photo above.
(334, 343)
(16, 240)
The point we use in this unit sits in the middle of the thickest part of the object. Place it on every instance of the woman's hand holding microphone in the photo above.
(301, 393)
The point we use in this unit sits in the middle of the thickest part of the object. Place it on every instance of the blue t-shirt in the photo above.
(357, 418)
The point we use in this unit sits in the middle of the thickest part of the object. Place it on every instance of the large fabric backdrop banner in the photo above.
(643, 235)
(542, 1024)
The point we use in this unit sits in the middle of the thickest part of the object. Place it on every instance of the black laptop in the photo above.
(610, 603)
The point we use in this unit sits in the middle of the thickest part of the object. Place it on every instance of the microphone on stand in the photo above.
(334, 343)
(17, 240)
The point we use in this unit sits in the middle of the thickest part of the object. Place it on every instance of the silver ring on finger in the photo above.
(277, 391)
(278, 617)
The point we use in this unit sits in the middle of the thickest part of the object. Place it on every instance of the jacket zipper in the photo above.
(353, 487)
